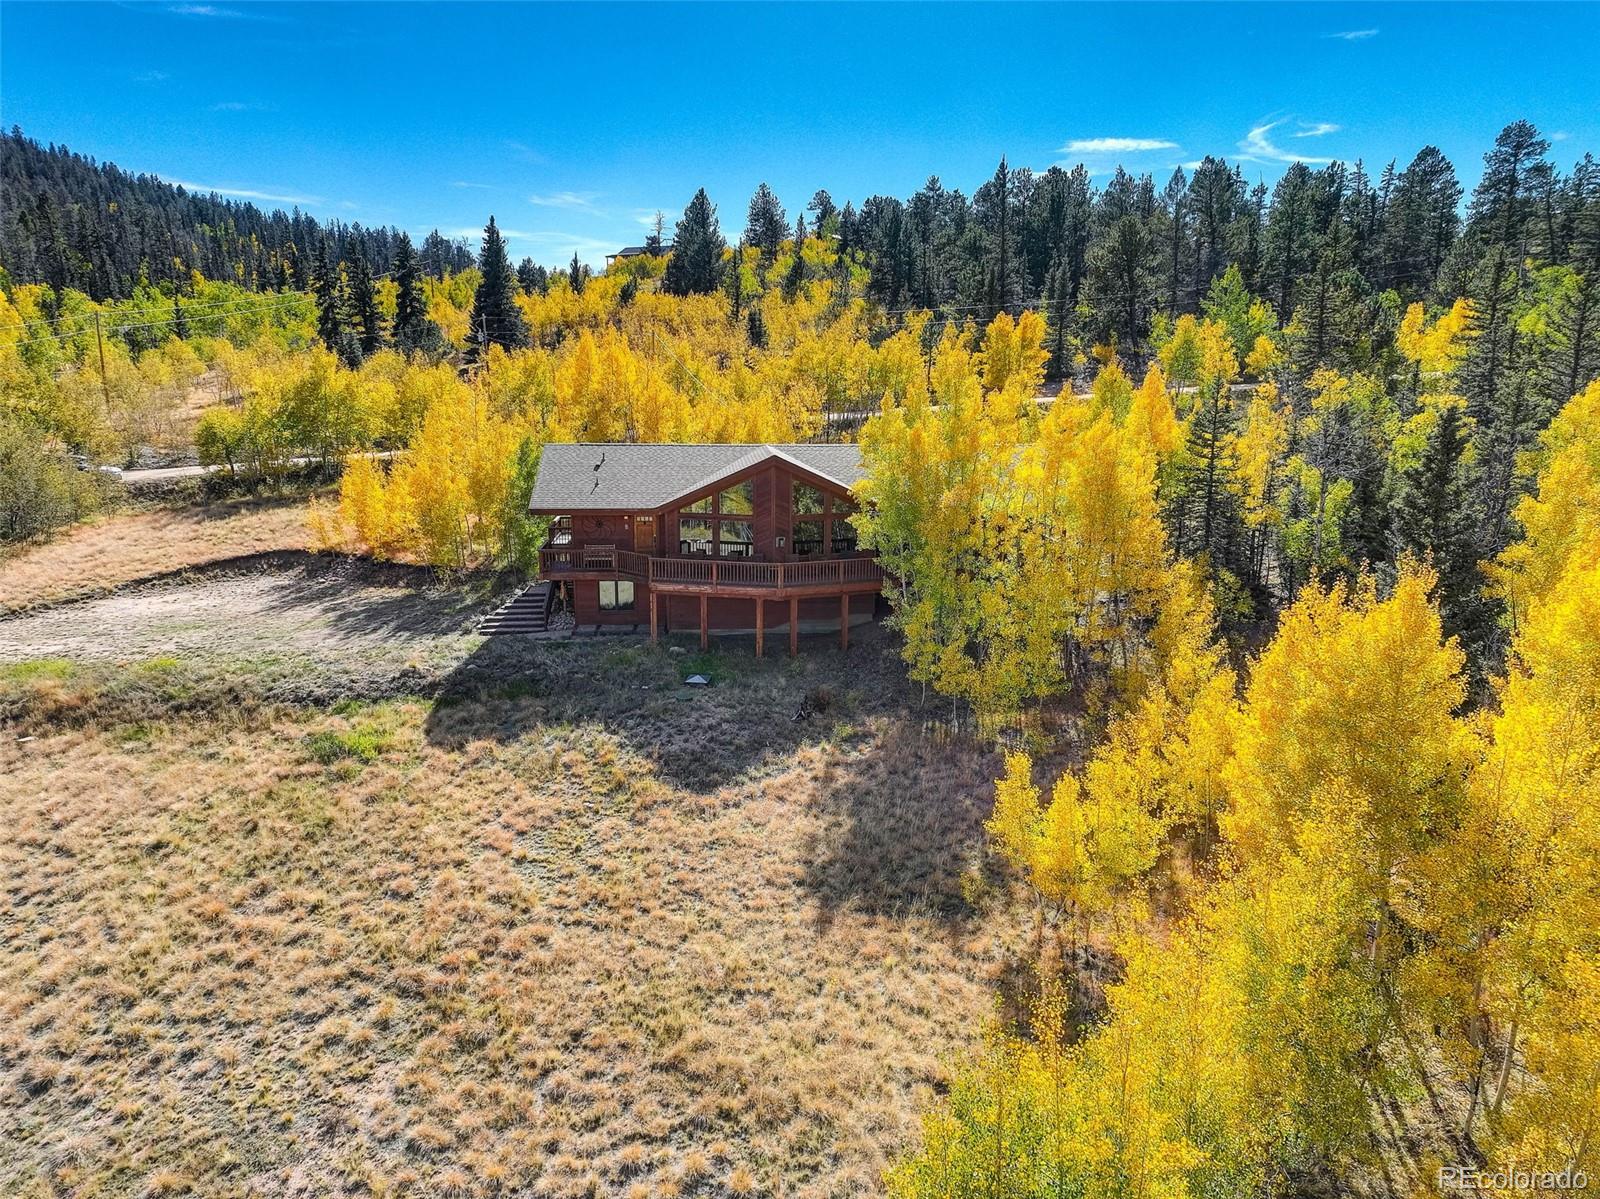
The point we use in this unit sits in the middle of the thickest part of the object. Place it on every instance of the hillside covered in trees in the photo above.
(71, 222)
(1358, 365)
(1259, 525)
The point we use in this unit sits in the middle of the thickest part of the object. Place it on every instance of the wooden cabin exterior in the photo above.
(707, 537)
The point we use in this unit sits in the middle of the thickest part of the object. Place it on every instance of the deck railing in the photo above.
(710, 573)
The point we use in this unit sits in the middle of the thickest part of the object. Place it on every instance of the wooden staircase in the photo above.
(526, 612)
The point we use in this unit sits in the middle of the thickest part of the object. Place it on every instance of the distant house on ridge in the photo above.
(636, 252)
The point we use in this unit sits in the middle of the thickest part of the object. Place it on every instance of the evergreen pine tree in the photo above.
(756, 328)
(1574, 356)
(734, 284)
(364, 306)
(822, 210)
(1058, 298)
(410, 309)
(326, 286)
(496, 319)
(696, 262)
(994, 201)
(795, 279)
(576, 273)
(1494, 380)
(1515, 172)
(767, 223)
(1436, 516)
(180, 323)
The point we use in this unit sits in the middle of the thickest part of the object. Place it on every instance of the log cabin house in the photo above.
(710, 537)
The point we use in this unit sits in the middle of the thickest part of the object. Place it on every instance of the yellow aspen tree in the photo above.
(1151, 417)
(1515, 934)
(1014, 354)
(1112, 391)
(1562, 513)
(1260, 450)
(1437, 349)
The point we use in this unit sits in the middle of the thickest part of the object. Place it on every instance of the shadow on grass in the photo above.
(750, 719)
(903, 828)
(360, 598)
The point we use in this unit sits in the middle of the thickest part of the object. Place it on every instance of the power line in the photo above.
(93, 318)
(89, 316)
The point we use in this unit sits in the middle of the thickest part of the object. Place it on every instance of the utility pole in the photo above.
(100, 341)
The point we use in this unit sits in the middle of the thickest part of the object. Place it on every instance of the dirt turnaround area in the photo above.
(313, 891)
(281, 602)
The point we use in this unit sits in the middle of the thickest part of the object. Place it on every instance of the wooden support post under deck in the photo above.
(761, 625)
(705, 629)
(654, 633)
(844, 621)
(794, 626)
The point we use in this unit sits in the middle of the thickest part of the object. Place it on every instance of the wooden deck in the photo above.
(716, 576)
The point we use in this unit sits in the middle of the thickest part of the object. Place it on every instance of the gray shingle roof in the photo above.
(641, 477)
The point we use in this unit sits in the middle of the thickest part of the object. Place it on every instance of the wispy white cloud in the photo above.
(151, 77)
(245, 193)
(243, 106)
(1353, 35)
(1560, 135)
(583, 201)
(1258, 146)
(555, 243)
(1116, 145)
(475, 232)
(1318, 129)
(205, 10)
(475, 186)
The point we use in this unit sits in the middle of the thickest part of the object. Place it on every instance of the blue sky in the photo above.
(573, 124)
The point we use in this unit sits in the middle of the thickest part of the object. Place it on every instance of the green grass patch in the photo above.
(364, 745)
(39, 669)
(713, 664)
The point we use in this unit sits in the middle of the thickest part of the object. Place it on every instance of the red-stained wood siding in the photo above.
(724, 612)
(586, 605)
(606, 529)
(772, 487)
(773, 515)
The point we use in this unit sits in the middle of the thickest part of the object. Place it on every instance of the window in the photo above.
(561, 530)
(736, 539)
(719, 524)
(822, 522)
(616, 595)
(694, 535)
(808, 539)
(738, 500)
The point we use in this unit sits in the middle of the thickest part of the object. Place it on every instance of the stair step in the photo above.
(526, 612)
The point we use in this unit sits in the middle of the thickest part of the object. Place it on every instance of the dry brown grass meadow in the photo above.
(117, 549)
(565, 928)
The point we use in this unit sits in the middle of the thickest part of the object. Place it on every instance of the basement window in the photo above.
(616, 595)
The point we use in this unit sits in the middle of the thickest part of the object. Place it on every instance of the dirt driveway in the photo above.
(277, 605)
